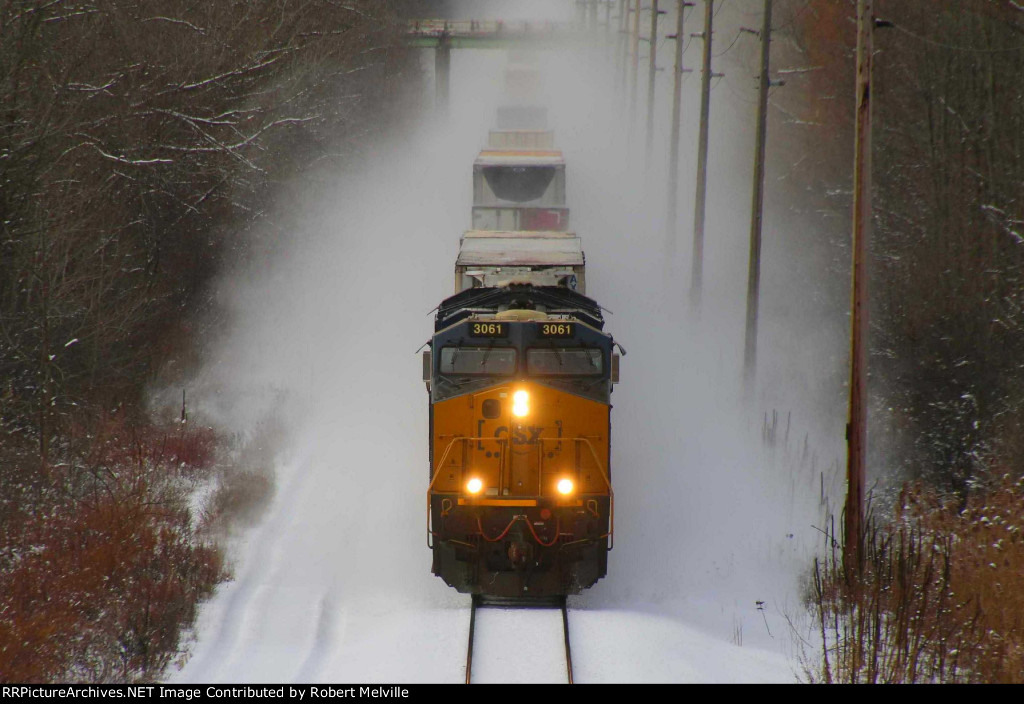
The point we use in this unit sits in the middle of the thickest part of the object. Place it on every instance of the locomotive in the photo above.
(519, 376)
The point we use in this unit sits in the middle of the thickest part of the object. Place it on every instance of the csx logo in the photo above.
(521, 434)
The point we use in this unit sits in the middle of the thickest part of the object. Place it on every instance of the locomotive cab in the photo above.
(520, 499)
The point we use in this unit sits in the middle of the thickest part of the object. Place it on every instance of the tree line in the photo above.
(947, 251)
(935, 596)
(140, 142)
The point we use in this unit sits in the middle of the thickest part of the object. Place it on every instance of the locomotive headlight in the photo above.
(520, 403)
(474, 485)
(565, 487)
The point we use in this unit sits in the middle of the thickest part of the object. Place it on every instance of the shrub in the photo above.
(939, 597)
(97, 587)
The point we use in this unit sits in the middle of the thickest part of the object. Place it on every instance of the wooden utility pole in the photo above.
(622, 47)
(442, 72)
(673, 158)
(651, 69)
(856, 433)
(754, 272)
(697, 265)
(634, 48)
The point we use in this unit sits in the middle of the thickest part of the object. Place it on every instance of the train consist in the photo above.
(520, 374)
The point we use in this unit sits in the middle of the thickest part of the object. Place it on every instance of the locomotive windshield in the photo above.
(565, 362)
(519, 184)
(478, 360)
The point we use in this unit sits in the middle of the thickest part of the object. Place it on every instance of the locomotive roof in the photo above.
(550, 299)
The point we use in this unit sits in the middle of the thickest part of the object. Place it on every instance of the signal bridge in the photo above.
(444, 35)
(493, 34)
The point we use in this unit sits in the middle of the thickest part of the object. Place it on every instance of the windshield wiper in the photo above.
(455, 355)
(487, 353)
(558, 356)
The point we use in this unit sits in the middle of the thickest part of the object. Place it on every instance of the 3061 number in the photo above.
(556, 330)
(488, 329)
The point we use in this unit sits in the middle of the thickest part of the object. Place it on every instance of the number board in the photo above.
(488, 329)
(556, 329)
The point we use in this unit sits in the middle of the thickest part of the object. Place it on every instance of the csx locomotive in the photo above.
(520, 375)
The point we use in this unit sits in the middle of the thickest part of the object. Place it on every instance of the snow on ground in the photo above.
(713, 529)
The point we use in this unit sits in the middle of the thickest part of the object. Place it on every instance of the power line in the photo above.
(733, 42)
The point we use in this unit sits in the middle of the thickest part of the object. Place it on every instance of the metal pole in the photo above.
(857, 429)
(754, 272)
(651, 69)
(673, 159)
(697, 265)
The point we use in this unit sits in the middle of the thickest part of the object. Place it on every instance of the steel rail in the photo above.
(565, 633)
(472, 629)
(560, 603)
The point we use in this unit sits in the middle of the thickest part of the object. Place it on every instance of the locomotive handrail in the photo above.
(430, 487)
(590, 446)
(611, 493)
(439, 465)
(604, 475)
(459, 438)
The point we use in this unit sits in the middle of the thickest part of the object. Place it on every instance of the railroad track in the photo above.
(480, 601)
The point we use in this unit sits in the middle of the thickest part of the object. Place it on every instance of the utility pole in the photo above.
(697, 265)
(856, 432)
(673, 159)
(442, 71)
(652, 68)
(634, 47)
(622, 47)
(754, 272)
